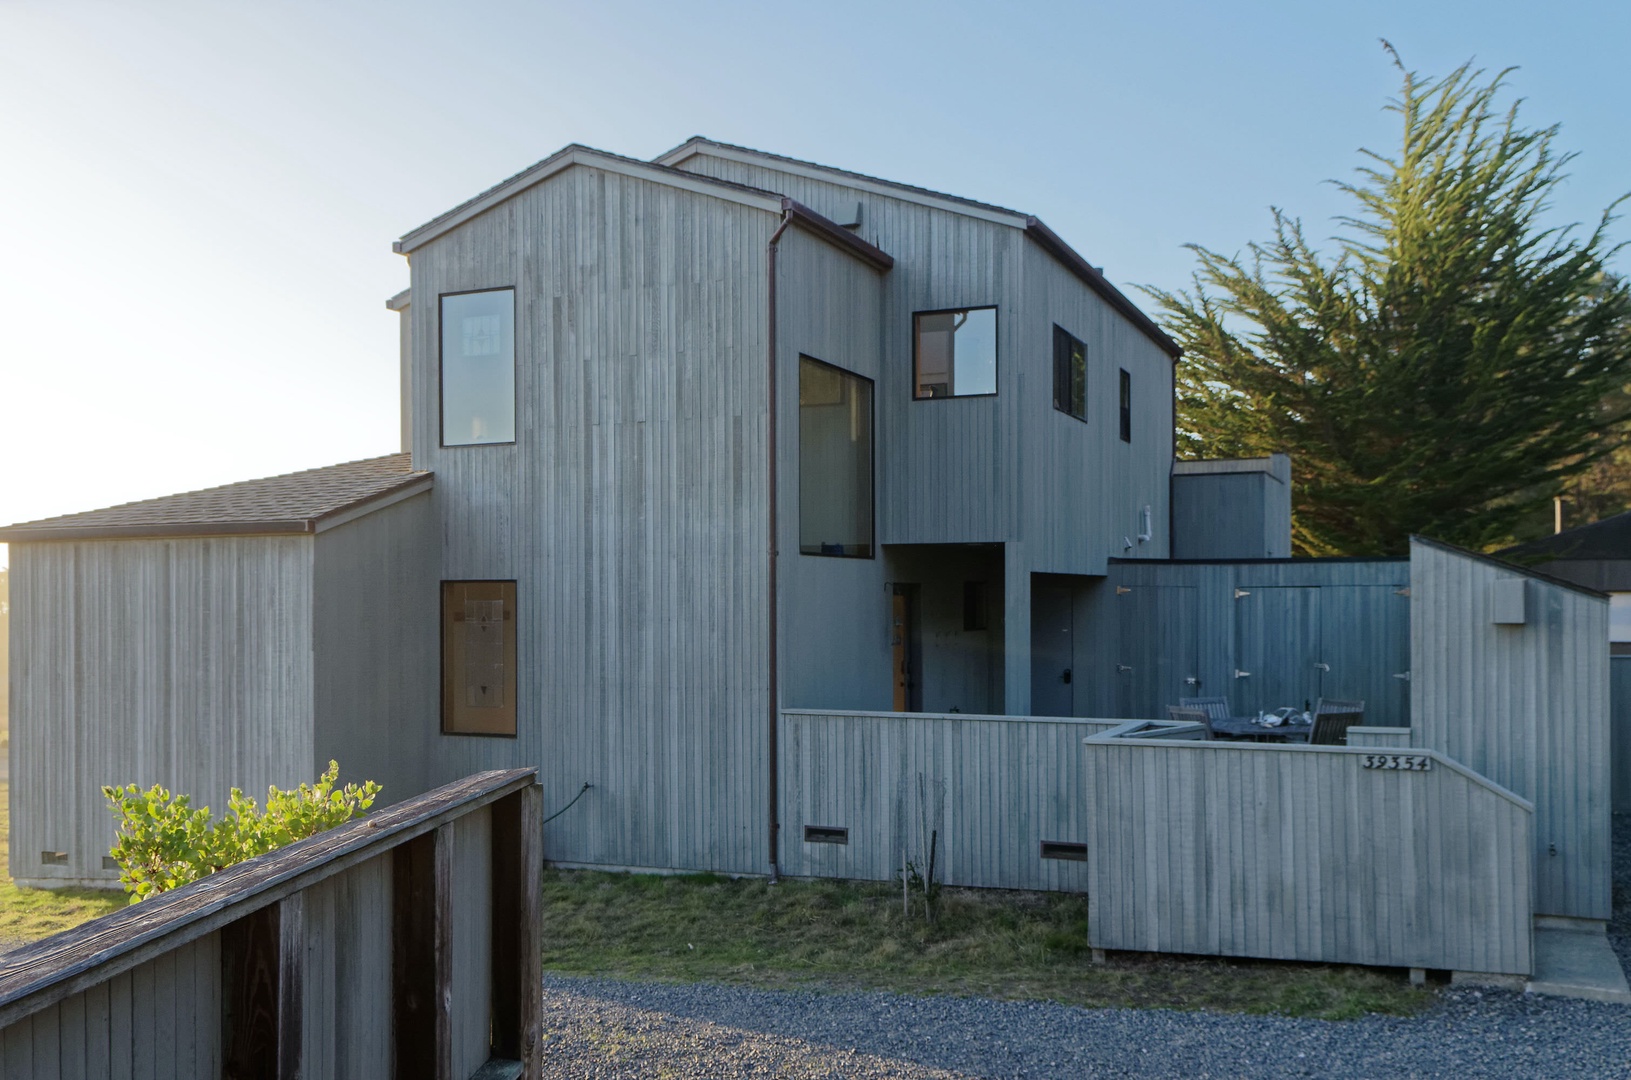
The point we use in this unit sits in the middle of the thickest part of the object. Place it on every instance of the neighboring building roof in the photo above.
(1277, 466)
(1500, 561)
(1609, 538)
(301, 502)
(1050, 241)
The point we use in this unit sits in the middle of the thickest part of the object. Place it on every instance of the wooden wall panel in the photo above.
(1525, 705)
(183, 662)
(1301, 853)
(346, 1000)
(1010, 783)
(631, 512)
(375, 604)
(472, 911)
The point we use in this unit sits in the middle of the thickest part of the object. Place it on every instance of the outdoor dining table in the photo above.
(1247, 727)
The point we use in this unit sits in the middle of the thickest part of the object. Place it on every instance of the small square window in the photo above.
(478, 658)
(1126, 407)
(954, 353)
(1069, 374)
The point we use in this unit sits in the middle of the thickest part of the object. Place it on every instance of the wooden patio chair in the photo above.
(1180, 715)
(1332, 719)
(1215, 708)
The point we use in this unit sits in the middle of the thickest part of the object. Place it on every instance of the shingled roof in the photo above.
(300, 502)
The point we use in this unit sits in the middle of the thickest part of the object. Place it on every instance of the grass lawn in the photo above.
(30, 914)
(852, 935)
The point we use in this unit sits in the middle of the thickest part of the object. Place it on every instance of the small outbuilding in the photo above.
(269, 626)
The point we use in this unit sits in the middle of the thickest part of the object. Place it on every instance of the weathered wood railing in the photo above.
(1363, 855)
(405, 944)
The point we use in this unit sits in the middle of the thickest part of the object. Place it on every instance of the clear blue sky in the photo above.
(197, 199)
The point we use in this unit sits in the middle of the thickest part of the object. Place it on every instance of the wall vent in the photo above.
(53, 858)
(1060, 849)
(825, 834)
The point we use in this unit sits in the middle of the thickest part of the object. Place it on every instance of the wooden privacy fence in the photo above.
(1360, 855)
(404, 944)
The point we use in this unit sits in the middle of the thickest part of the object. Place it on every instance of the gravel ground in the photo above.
(613, 1029)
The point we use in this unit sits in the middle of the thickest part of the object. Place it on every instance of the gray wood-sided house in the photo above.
(764, 498)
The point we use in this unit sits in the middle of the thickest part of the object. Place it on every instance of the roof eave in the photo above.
(835, 234)
(1054, 245)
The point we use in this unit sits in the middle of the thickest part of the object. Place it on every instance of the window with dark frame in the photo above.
(478, 658)
(1069, 374)
(477, 367)
(954, 353)
(1126, 406)
(835, 461)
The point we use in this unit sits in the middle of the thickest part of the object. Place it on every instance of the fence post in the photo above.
(422, 956)
(262, 977)
(517, 862)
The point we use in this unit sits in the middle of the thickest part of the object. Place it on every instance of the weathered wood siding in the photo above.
(630, 513)
(1011, 783)
(158, 1021)
(374, 631)
(182, 662)
(148, 993)
(1300, 853)
(1154, 625)
(1526, 706)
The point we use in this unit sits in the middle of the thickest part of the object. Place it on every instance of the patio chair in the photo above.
(1332, 719)
(1215, 708)
(1180, 715)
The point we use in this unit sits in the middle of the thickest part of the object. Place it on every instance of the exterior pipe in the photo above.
(774, 807)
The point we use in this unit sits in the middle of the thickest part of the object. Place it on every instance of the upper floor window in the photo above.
(954, 353)
(478, 367)
(1069, 374)
(1126, 406)
(835, 461)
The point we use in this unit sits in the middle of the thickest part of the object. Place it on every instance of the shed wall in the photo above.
(1526, 706)
(183, 662)
(630, 513)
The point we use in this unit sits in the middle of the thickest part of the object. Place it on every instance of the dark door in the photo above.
(1155, 645)
(1051, 652)
(1365, 646)
(1277, 648)
(903, 641)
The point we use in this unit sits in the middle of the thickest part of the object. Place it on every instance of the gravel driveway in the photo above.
(599, 1028)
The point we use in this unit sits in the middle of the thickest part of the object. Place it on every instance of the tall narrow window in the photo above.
(1069, 374)
(835, 461)
(954, 353)
(1126, 406)
(478, 658)
(478, 367)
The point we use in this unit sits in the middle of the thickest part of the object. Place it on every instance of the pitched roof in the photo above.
(1609, 538)
(300, 502)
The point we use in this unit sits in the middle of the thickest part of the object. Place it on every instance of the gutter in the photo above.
(773, 820)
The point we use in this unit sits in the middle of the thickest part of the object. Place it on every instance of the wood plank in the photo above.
(252, 997)
(414, 981)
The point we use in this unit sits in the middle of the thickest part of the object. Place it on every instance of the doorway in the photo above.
(1052, 651)
(905, 643)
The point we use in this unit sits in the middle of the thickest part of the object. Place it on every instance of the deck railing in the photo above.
(402, 944)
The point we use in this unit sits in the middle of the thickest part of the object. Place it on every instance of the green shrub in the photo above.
(164, 843)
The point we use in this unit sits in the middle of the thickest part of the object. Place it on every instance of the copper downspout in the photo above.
(774, 807)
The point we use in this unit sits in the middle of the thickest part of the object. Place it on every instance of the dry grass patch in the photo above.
(30, 914)
(852, 935)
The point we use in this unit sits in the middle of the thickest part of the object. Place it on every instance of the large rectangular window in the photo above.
(954, 353)
(478, 658)
(835, 461)
(1069, 374)
(1126, 406)
(478, 367)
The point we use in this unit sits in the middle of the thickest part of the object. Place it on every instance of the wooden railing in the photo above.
(404, 944)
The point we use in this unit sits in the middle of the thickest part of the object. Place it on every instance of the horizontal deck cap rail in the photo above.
(1127, 734)
(1086, 721)
(37, 976)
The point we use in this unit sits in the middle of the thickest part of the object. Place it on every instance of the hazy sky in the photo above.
(197, 200)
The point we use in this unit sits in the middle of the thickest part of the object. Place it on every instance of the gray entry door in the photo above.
(1156, 636)
(1365, 643)
(1277, 648)
(1051, 652)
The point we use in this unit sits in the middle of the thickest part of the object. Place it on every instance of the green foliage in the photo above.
(164, 843)
(1446, 371)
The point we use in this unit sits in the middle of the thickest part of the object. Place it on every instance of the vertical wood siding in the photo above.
(1300, 853)
(472, 980)
(1526, 706)
(157, 1021)
(1011, 783)
(631, 511)
(345, 1002)
(374, 632)
(182, 662)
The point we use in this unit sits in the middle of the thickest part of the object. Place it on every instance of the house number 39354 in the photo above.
(1409, 762)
